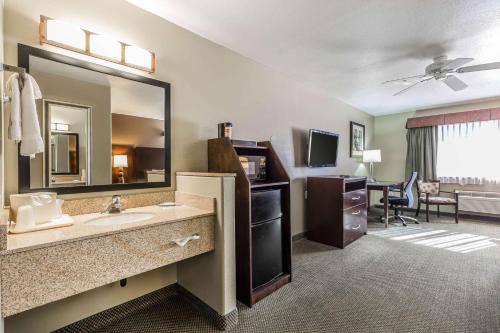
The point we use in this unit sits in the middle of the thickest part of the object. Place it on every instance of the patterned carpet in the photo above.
(384, 282)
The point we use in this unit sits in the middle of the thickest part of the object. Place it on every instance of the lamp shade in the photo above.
(66, 34)
(372, 156)
(120, 161)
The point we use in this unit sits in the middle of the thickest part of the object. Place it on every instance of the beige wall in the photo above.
(210, 84)
(2, 107)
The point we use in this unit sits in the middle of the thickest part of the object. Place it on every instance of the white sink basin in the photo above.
(121, 218)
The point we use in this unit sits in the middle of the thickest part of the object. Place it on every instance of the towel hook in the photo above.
(14, 69)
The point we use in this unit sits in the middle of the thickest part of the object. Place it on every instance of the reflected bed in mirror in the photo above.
(103, 129)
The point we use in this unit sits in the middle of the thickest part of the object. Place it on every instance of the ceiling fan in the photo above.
(441, 69)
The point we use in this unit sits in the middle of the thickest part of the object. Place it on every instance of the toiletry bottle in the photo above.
(225, 130)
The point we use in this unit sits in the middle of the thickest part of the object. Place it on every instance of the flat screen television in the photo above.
(322, 149)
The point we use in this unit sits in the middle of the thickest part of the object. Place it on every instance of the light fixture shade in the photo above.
(66, 34)
(372, 156)
(70, 37)
(105, 47)
(59, 127)
(120, 161)
(62, 127)
(139, 57)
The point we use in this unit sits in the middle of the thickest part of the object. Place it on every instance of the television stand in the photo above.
(336, 209)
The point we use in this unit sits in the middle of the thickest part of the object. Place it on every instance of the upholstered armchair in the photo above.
(429, 193)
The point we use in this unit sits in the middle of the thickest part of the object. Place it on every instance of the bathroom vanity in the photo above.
(46, 266)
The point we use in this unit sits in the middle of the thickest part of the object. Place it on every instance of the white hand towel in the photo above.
(31, 142)
(13, 91)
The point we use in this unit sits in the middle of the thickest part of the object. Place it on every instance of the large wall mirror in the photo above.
(103, 129)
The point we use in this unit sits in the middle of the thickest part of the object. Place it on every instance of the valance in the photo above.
(454, 118)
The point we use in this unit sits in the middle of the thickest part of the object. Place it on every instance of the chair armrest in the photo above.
(455, 194)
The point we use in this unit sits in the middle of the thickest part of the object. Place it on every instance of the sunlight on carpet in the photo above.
(438, 238)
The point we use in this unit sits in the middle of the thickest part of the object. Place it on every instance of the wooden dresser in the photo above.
(336, 209)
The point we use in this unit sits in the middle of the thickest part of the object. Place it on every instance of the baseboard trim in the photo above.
(221, 322)
(299, 236)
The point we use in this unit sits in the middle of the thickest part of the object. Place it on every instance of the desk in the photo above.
(384, 187)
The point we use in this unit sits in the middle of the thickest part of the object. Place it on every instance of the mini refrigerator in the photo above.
(267, 255)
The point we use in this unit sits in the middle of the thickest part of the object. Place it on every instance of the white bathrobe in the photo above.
(31, 141)
(13, 91)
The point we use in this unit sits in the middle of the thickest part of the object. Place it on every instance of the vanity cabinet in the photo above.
(37, 276)
(336, 209)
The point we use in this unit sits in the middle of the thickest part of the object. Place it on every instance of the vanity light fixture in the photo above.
(66, 34)
(105, 47)
(69, 37)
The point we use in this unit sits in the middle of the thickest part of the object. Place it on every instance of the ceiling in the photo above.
(348, 47)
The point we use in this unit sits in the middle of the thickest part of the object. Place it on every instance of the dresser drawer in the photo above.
(354, 223)
(354, 198)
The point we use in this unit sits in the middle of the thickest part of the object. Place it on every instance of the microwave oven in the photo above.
(254, 166)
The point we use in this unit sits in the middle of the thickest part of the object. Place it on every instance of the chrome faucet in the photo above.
(115, 206)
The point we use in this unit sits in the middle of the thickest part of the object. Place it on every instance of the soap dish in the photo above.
(64, 221)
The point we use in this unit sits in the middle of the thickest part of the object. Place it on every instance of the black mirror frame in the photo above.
(24, 53)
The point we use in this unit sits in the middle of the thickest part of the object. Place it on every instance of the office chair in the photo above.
(399, 203)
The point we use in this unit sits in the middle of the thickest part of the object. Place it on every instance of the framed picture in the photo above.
(357, 140)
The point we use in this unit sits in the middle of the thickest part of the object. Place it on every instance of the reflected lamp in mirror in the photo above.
(372, 156)
(120, 162)
(59, 127)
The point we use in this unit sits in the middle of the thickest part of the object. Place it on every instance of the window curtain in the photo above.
(421, 153)
(469, 153)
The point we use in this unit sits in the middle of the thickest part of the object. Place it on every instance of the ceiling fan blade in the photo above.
(477, 68)
(406, 79)
(455, 63)
(413, 85)
(455, 83)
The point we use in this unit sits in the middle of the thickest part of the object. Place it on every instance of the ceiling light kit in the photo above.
(442, 69)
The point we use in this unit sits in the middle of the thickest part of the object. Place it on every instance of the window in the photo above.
(469, 153)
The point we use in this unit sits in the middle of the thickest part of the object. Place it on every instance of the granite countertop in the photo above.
(80, 230)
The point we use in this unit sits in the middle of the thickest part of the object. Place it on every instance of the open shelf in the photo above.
(250, 147)
(261, 184)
